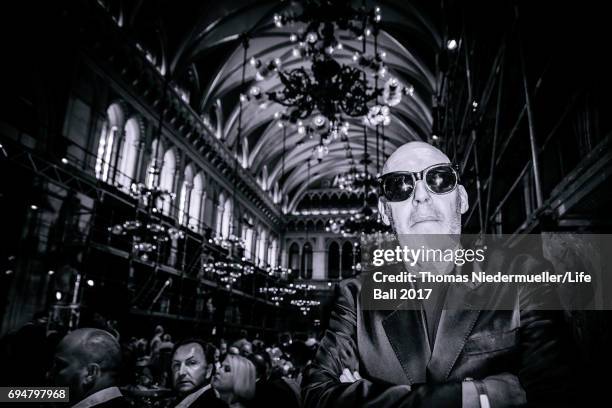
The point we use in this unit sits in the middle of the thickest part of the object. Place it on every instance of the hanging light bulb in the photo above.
(312, 37)
(296, 52)
(392, 94)
(255, 91)
(293, 38)
(319, 121)
(278, 20)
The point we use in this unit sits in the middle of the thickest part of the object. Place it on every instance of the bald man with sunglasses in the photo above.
(434, 357)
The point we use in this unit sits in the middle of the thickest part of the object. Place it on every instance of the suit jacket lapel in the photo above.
(405, 331)
(454, 329)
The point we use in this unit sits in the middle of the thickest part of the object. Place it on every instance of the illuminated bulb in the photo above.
(368, 32)
(319, 120)
(301, 130)
(253, 61)
(243, 98)
(90, 282)
(356, 57)
(311, 37)
(434, 137)
(34, 207)
(451, 44)
(58, 295)
(64, 160)
(255, 91)
(339, 46)
(293, 38)
(296, 53)
(51, 273)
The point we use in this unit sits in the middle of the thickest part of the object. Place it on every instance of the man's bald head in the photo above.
(87, 360)
(414, 156)
(95, 346)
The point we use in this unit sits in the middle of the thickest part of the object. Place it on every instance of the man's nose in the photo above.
(182, 371)
(421, 193)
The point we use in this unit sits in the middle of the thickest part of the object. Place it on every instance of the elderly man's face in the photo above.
(190, 370)
(423, 212)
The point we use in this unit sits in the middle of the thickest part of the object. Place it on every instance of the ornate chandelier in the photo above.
(325, 90)
(147, 232)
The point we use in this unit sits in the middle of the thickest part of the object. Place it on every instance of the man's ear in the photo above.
(463, 198)
(92, 373)
(209, 371)
(383, 209)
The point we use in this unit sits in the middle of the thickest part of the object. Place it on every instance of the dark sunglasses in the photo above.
(399, 185)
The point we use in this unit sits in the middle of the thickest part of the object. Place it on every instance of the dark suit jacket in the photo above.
(119, 402)
(208, 400)
(515, 352)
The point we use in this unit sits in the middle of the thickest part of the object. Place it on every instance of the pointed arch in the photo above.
(108, 142)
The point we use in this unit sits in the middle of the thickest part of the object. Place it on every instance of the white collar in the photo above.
(99, 397)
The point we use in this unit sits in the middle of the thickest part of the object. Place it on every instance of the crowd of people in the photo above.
(103, 369)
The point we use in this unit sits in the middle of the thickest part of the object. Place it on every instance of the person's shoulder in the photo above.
(350, 287)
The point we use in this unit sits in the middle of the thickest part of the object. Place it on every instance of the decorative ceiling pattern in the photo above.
(202, 49)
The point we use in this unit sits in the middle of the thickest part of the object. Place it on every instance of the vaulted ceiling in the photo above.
(200, 47)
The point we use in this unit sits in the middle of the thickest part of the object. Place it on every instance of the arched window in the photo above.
(219, 214)
(185, 196)
(273, 253)
(108, 140)
(152, 169)
(347, 259)
(128, 155)
(294, 257)
(263, 246)
(166, 178)
(196, 203)
(306, 267)
(247, 236)
(333, 261)
(228, 213)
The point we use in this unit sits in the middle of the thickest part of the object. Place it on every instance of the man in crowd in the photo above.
(88, 362)
(193, 365)
(429, 356)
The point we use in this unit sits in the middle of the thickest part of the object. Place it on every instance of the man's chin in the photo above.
(185, 388)
(427, 228)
